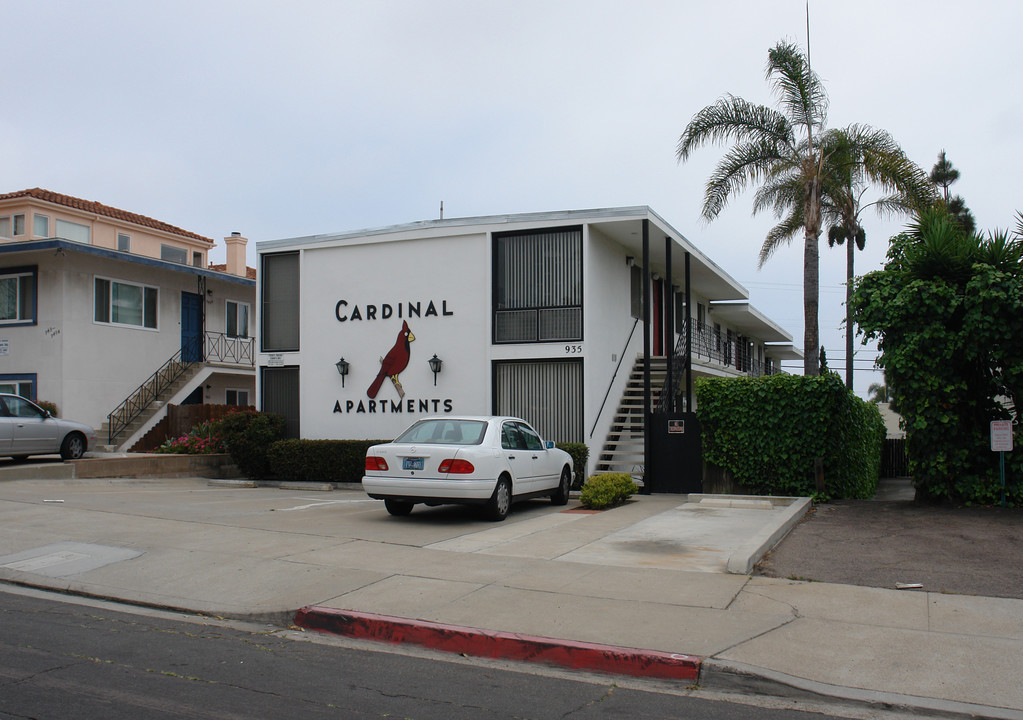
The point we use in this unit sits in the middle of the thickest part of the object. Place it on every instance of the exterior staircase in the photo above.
(623, 449)
(158, 394)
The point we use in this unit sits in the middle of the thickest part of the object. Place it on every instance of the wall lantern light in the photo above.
(630, 261)
(435, 363)
(342, 366)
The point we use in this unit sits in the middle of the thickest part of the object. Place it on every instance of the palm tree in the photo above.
(778, 147)
(862, 158)
(802, 167)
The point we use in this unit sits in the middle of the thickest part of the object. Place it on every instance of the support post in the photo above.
(647, 475)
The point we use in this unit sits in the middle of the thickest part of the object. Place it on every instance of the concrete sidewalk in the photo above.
(643, 584)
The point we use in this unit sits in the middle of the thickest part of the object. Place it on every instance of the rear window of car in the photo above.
(446, 432)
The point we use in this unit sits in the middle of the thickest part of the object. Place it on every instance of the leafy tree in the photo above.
(947, 312)
(944, 174)
(794, 158)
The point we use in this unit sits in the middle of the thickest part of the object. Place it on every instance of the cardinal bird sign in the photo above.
(394, 362)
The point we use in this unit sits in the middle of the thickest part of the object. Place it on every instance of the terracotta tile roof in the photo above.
(250, 272)
(100, 209)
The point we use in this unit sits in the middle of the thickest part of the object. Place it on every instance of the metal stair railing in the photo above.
(678, 366)
(157, 383)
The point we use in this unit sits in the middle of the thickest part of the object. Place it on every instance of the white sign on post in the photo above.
(1001, 435)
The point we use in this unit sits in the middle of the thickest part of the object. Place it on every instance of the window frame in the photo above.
(20, 272)
(20, 380)
(237, 392)
(228, 315)
(166, 251)
(69, 224)
(126, 245)
(36, 217)
(110, 307)
(540, 273)
(17, 222)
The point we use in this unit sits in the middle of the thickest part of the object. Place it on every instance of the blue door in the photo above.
(191, 327)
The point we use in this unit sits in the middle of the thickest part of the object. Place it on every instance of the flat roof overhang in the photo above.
(783, 351)
(25, 247)
(749, 321)
(623, 226)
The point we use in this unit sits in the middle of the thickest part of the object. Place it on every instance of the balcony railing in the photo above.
(216, 348)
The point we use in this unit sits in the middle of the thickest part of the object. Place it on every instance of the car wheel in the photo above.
(400, 508)
(73, 447)
(500, 502)
(560, 496)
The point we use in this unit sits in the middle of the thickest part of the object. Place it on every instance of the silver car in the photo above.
(26, 429)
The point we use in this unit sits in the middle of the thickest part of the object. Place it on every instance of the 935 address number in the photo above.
(573, 349)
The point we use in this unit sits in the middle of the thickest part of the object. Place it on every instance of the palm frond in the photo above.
(798, 88)
(742, 165)
(781, 234)
(732, 118)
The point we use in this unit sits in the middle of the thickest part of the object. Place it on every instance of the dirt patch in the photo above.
(966, 551)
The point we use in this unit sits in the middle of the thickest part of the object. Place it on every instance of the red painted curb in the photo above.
(503, 645)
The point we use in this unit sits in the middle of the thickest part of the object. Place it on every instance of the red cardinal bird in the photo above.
(394, 362)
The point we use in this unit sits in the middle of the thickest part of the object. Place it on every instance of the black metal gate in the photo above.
(894, 461)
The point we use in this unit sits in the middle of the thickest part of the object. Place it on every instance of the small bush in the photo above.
(206, 438)
(249, 435)
(580, 455)
(48, 406)
(319, 460)
(607, 490)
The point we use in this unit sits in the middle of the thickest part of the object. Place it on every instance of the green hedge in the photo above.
(248, 435)
(580, 456)
(319, 460)
(767, 432)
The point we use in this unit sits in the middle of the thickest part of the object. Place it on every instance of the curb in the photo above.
(501, 645)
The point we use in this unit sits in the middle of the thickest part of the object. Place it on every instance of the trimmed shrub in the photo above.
(319, 460)
(248, 435)
(767, 432)
(580, 456)
(607, 490)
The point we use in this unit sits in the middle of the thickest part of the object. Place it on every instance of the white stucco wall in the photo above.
(439, 286)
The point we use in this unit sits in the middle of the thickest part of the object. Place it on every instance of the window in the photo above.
(40, 226)
(18, 225)
(237, 319)
(197, 259)
(279, 394)
(636, 291)
(538, 286)
(279, 291)
(547, 394)
(73, 231)
(236, 397)
(122, 303)
(174, 254)
(123, 242)
(18, 296)
(5, 226)
(23, 384)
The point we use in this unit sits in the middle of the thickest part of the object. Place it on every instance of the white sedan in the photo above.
(489, 461)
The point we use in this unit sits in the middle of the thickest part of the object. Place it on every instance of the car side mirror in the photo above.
(550, 445)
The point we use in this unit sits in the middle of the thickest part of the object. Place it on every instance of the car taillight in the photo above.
(456, 466)
(375, 463)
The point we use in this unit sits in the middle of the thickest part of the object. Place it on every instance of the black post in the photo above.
(647, 474)
(669, 325)
(689, 342)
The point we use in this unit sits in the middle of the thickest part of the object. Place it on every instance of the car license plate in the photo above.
(411, 463)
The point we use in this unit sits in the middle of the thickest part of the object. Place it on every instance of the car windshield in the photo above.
(447, 432)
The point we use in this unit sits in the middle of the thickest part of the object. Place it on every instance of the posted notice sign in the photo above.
(1001, 435)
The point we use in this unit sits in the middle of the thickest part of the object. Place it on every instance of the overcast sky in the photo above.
(283, 119)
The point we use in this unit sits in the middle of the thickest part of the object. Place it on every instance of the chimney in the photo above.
(236, 254)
